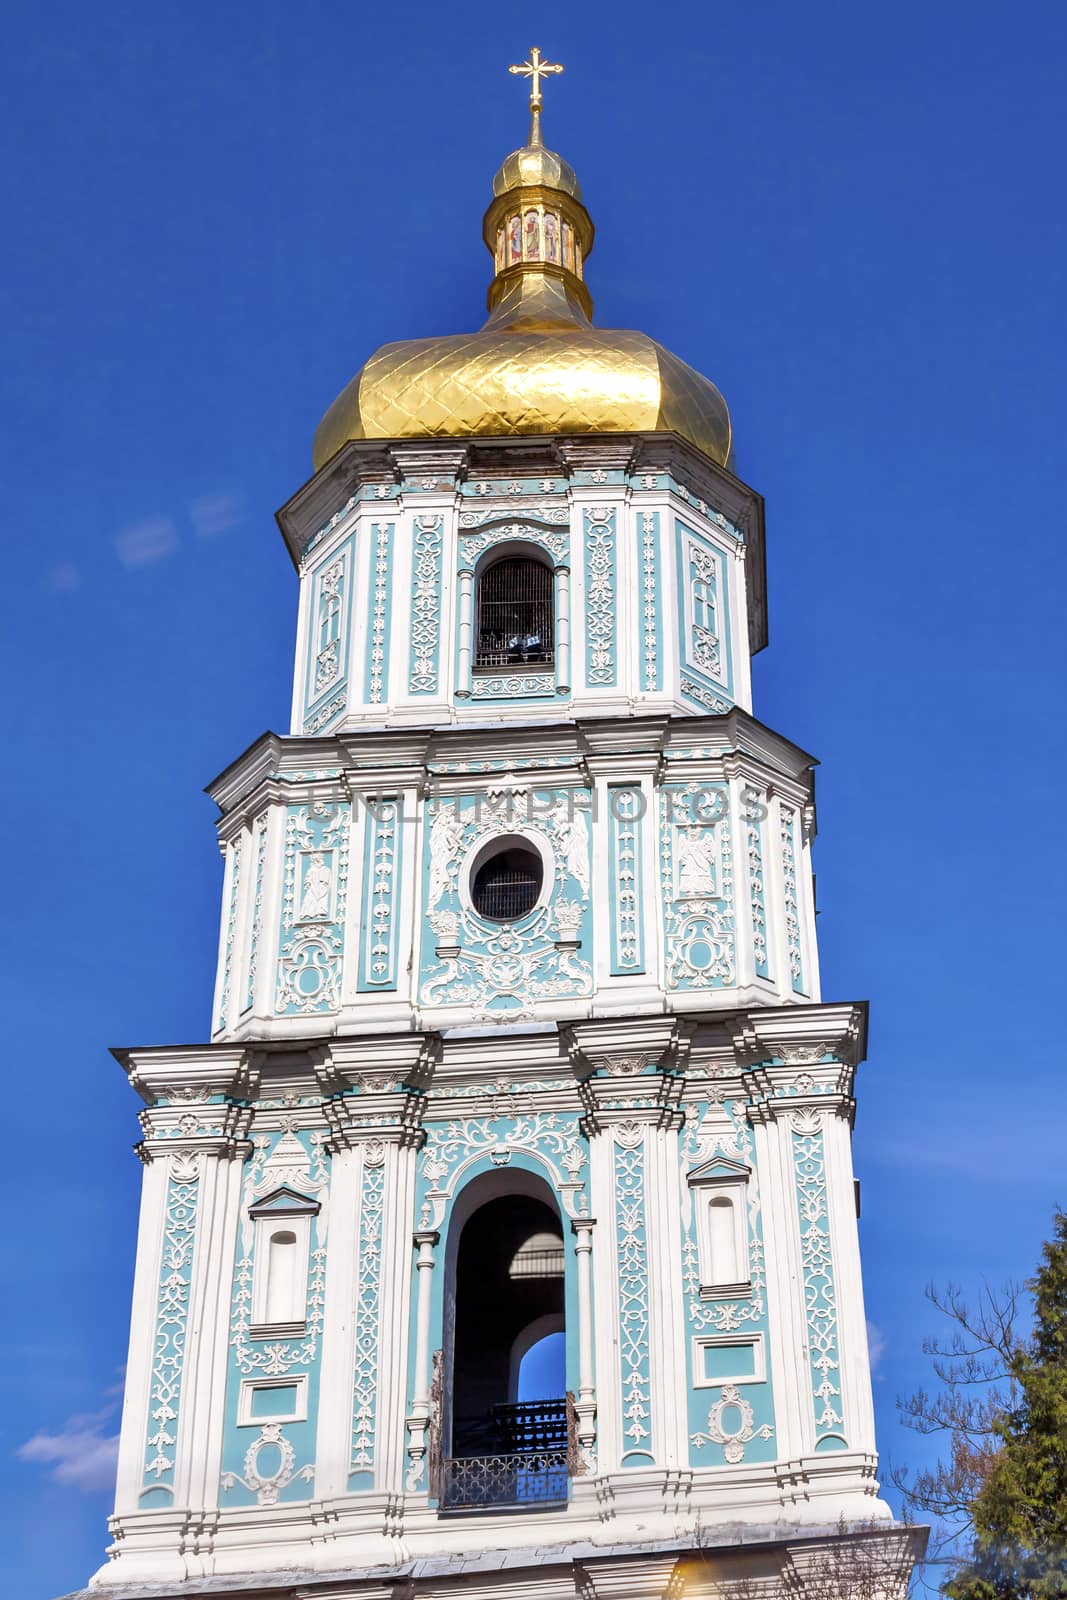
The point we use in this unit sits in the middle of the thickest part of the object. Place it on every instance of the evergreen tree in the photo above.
(1020, 1510)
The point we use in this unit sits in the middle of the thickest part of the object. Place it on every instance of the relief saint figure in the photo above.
(696, 860)
(318, 887)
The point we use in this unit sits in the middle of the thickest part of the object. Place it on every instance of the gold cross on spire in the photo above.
(535, 69)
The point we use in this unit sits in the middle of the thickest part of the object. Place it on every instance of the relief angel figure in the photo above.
(571, 841)
(446, 832)
(318, 888)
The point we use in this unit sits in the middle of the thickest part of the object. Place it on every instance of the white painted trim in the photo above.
(705, 1341)
(252, 1386)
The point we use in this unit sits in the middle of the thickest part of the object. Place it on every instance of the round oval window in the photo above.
(506, 885)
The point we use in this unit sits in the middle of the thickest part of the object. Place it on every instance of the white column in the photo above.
(563, 629)
(419, 1415)
(142, 1336)
(666, 1299)
(333, 1444)
(787, 1334)
(465, 628)
(855, 1369)
(394, 1316)
(200, 1428)
(586, 1402)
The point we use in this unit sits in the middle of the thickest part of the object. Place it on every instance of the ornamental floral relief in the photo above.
(256, 929)
(367, 1313)
(451, 1146)
(651, 665)
(171, 1327)
(755, 809)
(328, 633)
(625, 827)
(817, 1265)
(601, 604)
(267, 1485)
(514, 687)
(696, 869)
(501, 970)
(235, 854)
(314, 896)
(703, 696)
(788, 843)
(733, 1407)
(558, 516)
(382, 866)
(378, 632)
(424, 664)
(631, 1246)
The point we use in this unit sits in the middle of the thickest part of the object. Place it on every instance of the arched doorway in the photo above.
(507, 1276)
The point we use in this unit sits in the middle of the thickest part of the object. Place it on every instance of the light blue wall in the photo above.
(289, 1452)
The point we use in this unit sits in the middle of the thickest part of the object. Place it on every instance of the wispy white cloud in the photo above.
(82, 1453)
(875, 1345)
(63, 577)
(213, 514)
(146, 542)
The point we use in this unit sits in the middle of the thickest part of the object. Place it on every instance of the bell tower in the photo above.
(502, 1236)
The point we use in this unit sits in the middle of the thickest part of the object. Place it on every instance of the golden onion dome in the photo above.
(538, 366)
(535, 167)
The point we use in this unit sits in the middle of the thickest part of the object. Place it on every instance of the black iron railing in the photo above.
(516, 1455)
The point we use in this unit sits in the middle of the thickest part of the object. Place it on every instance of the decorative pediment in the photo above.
(284, 1202)
(718, 1169)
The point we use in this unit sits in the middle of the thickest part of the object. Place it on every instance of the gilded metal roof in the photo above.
(538, 366)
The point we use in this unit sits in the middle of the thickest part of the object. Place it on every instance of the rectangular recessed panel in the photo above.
(725, 1363)
(279, 1401)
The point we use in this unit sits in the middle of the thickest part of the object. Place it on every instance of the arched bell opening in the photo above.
(506, 1272)
(515, 613)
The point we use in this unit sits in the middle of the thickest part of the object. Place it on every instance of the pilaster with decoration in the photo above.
(631, 1075)
(374, 1103)
(195, 1125)
(799, 1067)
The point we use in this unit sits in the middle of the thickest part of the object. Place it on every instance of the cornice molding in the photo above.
(801, 1036)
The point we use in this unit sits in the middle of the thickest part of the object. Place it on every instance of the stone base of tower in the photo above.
(870, 1559)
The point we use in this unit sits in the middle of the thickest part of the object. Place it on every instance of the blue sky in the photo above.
(848, 217)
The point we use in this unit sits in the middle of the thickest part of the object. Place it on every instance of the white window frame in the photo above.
(720, 1178)
(249, 1388)
(703, 1341)
(282, 1211)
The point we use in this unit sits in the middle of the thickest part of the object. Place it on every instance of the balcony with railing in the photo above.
(518, 1456)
